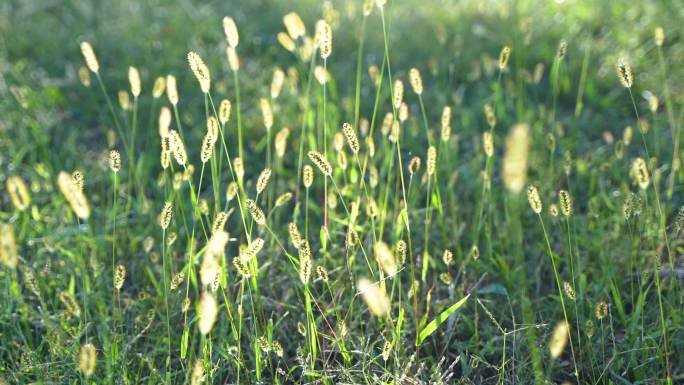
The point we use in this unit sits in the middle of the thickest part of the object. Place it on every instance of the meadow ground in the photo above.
(346, 192)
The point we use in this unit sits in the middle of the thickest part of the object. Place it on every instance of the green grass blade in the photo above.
(434, 324)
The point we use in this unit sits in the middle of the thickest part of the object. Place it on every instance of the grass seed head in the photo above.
(395, 131)
(165, 153)
(321, 74)
(601, 310)
(488, 144)
(553, 210)
(74, 195)
(209, 269)
(178, 148)
(627, 135)
(402, 250)
(352, 237)
(403, 112)
(219, 222)
(8, 247)
(201, 71)
(124, 100)
(374, 73)
(386, 350)
(89, 56)
(159, 87)
(114, 161)
(176, 281)
(373, 177)
(414, 165)
(534, 199)
(208, 310)
(475, 252)
(87, 360)
(322, 273)
(18, 192)
(239, 168)
(231, 31)
(231, 191)
(653, 101)
(294, 25)
(569, 290)
(321, 162)
(368, 7)
(446, 118)
(73, 309)
(166, 215)
(562, 49)
(447, 257)
(266, 113)
(241, 267)
(280, 141)
(515, 158)
(489, 115)
(342, 159)
(307, 175)
(256, 212)
(119, 277)
(504, 55)
(224, 111)
(207, 148)
(624, 73)
(324, 38)
(262, 181)
(416, 80)
(565, 202)
(352, 139)
(213, 128)
(164, 121)
(286, 41)
(385, 258)
(197, 377)
(559, 338)
(84, 76)
(640, 174)
(659, 36)
(283, 199)
(277, 82)
(374, 296)
(171, 89)
(295, 236)
(398, 93)
(134, 81)
(305, 262)
(431, 160)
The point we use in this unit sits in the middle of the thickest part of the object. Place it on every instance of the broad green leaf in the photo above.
(434, 324)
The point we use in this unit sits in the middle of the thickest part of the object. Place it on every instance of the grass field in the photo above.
(346, 192)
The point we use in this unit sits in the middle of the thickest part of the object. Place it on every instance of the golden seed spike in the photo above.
(89, 56)
(515, 158)
(374, 296)
(534, 199)
(134, 81)
(231, 31)
(503, 57)
(624, 73)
